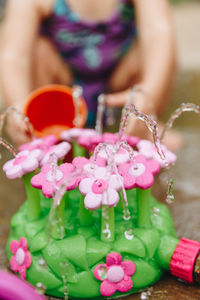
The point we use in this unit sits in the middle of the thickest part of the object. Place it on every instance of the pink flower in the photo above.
(148, 149)
(74, 133)
(60, 150)
(120, 156)
(139, 173)
(115, 274)
(43, 143)
(21, 259)
(90, 142)
(25, 162)
(100, 187)
(49, 184)
(85, 167)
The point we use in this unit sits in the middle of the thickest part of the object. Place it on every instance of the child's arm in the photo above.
(157, 52)
(19, 33)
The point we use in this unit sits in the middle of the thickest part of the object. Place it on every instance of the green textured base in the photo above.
(74, 258)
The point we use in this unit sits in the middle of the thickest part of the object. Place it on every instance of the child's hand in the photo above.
(142, 102)
(17, 130)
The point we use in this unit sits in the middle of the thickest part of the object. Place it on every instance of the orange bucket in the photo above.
(51, 110)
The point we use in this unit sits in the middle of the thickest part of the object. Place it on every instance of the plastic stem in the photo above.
(143, 207)
(33, 197)
(78, 150)
(107, 224)
(85, 215)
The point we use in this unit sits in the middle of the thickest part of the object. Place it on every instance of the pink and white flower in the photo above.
(25, 162)
(92, 141)
(139, 173)
(100, 187)
(40, 143)
(115, 275)
(21, 259)
(148, 149)
(74, 134)
(60, 150)
(120, 156)
(49, 183)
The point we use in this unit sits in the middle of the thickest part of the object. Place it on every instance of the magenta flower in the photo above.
(60, 150)
(100, 187)
(115, 274)
(49, 183)
(74, 133)
(41, 143)
(25, 162)
(148, 149)
(21, 259)
(139, 173)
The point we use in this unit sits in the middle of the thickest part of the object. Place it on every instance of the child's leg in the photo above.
(48, 66)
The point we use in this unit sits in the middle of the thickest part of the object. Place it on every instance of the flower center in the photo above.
(58, 176)
(137, 169)
(115, 274)
(19, 160)
(99, 186)
(20, 256)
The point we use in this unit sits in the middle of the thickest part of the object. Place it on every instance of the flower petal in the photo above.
(110, 197)
(92, 201)
(22, 272)
(30, 165)
(13, 264)
(129, 267)
(27, 261)
(107, 288)
(100, 172)
(15, 172)
(79, 162)
(23, 243)
(116, 182)
(113, 258)
(85, 185)
(153, 166)
(48, 188)
(37, 180)
(14, 245)
(125, 284)
(8, 165)
(145, 180)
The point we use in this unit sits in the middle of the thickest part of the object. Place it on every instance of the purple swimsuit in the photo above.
(91, 49)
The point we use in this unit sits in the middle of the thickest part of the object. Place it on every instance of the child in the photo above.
(107, 46)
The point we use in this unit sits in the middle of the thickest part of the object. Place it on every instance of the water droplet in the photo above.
(8, 146)
(176, 114)
(100, 113)
(106, 232)
(156, 211)
(144, 296)
(102, 272)
(170, 196)
(40, 288)
(129, 234)
(42, 262)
